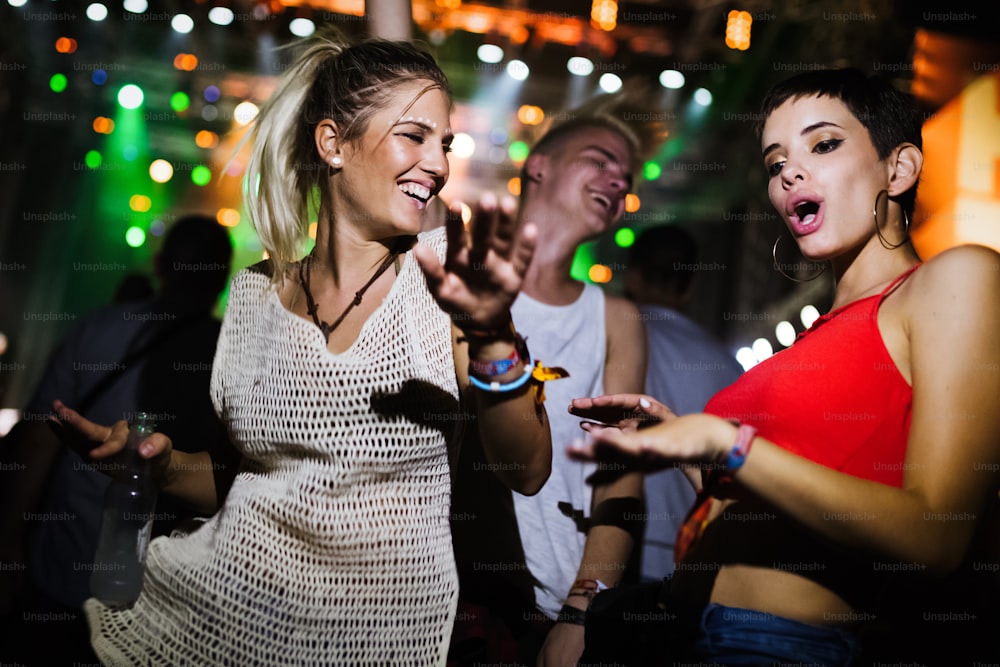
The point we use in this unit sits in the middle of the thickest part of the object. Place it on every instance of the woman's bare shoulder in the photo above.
(963, 261)
(963, 272)
(961, 284)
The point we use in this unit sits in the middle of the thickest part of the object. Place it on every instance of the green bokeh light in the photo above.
(135, 237)
(518, 151)
(651, 171)
(58, 83)
(201, 175)
(584, 258)
(625, 237)
(180, 101)
(93, 159)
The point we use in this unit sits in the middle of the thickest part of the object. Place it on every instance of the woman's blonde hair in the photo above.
(331, 79)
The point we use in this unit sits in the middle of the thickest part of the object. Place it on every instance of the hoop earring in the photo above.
(878, 230)
(777, 265)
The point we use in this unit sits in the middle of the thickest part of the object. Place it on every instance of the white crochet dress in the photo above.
(333, 547)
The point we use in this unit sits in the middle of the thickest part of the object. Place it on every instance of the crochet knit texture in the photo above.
(333, 546)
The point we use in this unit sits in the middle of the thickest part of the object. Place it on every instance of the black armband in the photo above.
(572, 615)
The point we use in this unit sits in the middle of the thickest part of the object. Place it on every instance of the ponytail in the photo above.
(277, 189)
(285, 177)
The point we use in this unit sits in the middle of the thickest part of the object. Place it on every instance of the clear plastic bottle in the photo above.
(129, 508)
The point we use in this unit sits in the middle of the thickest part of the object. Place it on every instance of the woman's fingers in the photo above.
(483, 225)
(524, 249)
(111, 439)
(434, 273)
(455, 234)
(84, 434)
(616, 409)
(77, 422)
(505, 228)
(114, 443)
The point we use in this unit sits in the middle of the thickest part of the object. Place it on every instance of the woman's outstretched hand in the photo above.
(627, 412)
(101, 442)
(484, 267)
(637, 432)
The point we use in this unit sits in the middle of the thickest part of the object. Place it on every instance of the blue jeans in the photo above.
(732, 636)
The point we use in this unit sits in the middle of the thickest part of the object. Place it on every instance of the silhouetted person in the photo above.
(687, 366)
(133, 287)
(152, 355)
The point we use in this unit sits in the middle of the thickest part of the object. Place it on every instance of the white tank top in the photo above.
(574, 338)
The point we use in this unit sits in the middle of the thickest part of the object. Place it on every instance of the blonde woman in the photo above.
(341, 377)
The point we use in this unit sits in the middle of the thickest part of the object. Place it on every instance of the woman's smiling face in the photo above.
(398, 164)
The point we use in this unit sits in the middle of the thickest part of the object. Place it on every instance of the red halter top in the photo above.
(834, 397)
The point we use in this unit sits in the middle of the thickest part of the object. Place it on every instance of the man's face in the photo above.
(587, 175)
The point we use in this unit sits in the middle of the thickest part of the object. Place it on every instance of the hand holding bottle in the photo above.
(102, 442)
(129, 511)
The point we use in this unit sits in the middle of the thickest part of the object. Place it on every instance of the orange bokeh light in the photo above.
(206, 139)
(599, 273)
(185, 61)
(228, 217)
(66, 45)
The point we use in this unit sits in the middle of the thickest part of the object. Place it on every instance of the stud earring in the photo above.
(336, 161)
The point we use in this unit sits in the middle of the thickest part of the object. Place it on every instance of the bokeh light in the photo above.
(201, 175)
(161, 171)
(135, 237)
(180, 101)
(518, 151)
(140, 203)
(58, 83)
(130, 96)
(599, 273)
(625, 237)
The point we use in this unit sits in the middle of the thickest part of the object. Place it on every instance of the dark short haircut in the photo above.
(196, 255)
(665, 256)
(888, 114)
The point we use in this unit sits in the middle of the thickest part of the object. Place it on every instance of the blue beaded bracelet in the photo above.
(496, 387)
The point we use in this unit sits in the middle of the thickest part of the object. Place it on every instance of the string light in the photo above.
(738, 30)
(604, 14)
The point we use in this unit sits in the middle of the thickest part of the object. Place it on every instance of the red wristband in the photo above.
(491, 369)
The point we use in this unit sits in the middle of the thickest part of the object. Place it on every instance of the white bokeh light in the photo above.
(463, 145)
(762, 349)
(182, 23)
(808, 315)
(671, 78)
(785, 333)
(518, 70)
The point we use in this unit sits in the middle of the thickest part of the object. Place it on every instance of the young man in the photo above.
(572, 538)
